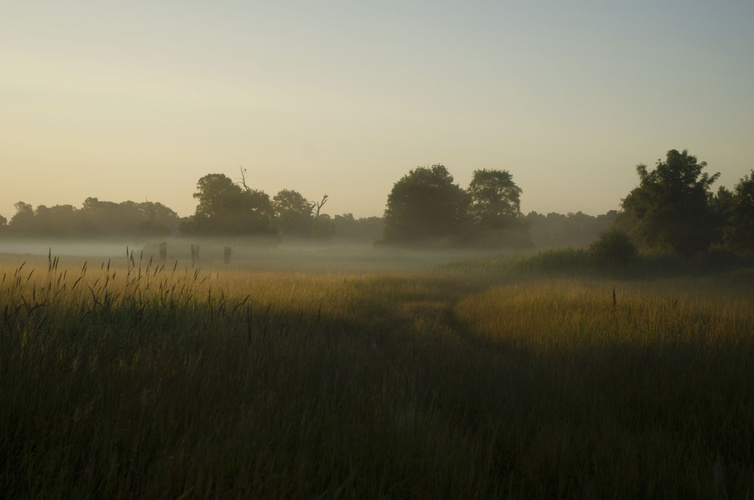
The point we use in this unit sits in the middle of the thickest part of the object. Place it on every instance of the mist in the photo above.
(246, 254)
(68, 248)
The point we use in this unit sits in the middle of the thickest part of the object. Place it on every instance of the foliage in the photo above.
(56, 221)
(94, 219)
(424, 206)
(156, 220)
(364, 229)
(495, 198)
(614, 246)
(575, 230)
(226, 208)
(294, 213)
(109, 218)
(670, 208)
(22, 221)
(495, 210)
(323, 227)
(741, 233)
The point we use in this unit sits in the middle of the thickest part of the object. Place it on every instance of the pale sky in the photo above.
(137, 100)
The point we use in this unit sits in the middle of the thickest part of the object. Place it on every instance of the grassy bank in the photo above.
(127, 379)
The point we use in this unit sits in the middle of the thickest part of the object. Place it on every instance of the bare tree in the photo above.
(243, 178)
(319, 206)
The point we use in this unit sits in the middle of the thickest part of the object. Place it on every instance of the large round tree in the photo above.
(495, 198)
(294, 213)
(425, 205)
(495, 210)
(670, 208)
(226, 208)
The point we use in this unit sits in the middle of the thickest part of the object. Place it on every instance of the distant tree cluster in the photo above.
(224, 208)
(427, 207)
(229, 208)
(95, 219)
(365, 229)
(575, 230)
(233, 208)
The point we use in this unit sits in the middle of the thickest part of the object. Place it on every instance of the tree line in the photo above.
(94, 219)
(225, 208)
(672, 209)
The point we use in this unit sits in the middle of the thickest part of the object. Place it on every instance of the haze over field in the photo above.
(138, 100)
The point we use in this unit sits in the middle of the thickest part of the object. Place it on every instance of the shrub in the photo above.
(613, 246)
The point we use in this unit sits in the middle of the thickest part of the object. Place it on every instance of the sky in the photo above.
(138, 100)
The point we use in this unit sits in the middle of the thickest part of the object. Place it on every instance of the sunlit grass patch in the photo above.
(542, 314)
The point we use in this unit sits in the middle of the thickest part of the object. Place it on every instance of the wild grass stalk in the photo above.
(133, 380)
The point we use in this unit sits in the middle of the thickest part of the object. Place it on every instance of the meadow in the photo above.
(542, 376)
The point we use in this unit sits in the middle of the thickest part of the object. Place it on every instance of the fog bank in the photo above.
(69, 248)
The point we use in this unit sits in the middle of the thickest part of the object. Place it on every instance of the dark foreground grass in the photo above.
(124, 382)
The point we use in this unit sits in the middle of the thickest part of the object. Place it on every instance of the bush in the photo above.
(613, 246)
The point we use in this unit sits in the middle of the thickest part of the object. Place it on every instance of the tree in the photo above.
(107, 218)
(294, 213)
(670, 208)
(576, 230)
(22, 222)
(495, 209)
(158, 220)
(495, 198)
(94, 219)
(324, 227)
(741, 233)
(226, 208)
(721, 207)
(218, 197)
(58, 221)
(363, 230)
(425, 205)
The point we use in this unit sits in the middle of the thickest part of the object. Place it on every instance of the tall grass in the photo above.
(126, 379)
(569, 262)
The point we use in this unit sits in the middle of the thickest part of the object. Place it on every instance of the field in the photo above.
(520, 377)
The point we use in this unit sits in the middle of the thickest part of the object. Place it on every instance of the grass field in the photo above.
(520, 377)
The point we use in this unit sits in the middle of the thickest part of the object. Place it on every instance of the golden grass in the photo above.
(127, 379)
